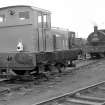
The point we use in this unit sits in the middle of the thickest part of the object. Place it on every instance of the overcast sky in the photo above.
(76, 15)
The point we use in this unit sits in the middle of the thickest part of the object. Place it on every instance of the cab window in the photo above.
(39, 19)
(23, 15)
(42, 20)
(45, 18)
(2, 18)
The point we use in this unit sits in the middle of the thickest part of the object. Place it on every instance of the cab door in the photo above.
(44, 32)
(41, 40)
(41, 35)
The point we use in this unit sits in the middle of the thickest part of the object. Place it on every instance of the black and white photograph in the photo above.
(52, 52)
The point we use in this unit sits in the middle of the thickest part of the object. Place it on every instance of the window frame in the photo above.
(39, 18)
(24, 15)
(2, 17)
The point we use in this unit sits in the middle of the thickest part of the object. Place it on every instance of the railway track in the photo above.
(79, 64)
(91, 95)
(70, 70)
(7, 88)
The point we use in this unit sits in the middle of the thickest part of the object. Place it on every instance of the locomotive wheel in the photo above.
(95, 55)
(47, 67)
(104, 54)
(59, 66)
(98, 56)
(38, 73)
(22, 75)
(92, 56)
(20, 72)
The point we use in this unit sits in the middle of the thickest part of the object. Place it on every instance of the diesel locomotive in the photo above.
(96, 43)
(28, 42)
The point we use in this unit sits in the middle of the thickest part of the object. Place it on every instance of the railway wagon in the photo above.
(63, 44)
(28, 42)
(96, 43)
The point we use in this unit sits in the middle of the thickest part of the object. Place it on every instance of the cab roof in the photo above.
(31, 7)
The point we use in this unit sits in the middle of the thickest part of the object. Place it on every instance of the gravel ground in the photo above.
(32, 94)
